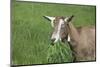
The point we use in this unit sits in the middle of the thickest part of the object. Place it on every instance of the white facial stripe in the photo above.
(59, 28)
(57, 35)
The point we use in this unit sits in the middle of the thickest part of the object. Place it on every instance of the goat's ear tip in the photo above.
(43, 15)
(72, 15)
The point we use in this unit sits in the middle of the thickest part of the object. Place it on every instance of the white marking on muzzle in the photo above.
(56, 36)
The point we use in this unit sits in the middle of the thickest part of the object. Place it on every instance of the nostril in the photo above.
(53, 39)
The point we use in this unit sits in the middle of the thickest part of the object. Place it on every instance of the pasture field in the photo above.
(30, 41)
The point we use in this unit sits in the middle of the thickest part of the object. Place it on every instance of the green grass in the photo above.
(59, 53)
(31, 32)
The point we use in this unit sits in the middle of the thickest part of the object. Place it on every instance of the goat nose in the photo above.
(53, 40)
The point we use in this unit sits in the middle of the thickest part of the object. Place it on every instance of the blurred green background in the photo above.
(31, 31)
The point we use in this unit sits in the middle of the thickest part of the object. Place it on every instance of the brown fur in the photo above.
(82, 42)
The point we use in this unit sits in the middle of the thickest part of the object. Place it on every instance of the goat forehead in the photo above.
(58, 19)
(57, 28)
(58, 25)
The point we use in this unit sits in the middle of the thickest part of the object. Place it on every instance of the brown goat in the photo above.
(81, 39)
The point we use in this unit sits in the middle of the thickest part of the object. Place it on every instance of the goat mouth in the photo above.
(52, 43)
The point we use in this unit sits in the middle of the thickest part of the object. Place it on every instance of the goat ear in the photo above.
(49, 18)
(68, 19)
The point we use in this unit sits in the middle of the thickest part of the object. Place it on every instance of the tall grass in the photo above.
(59, 53)
(31, 32)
